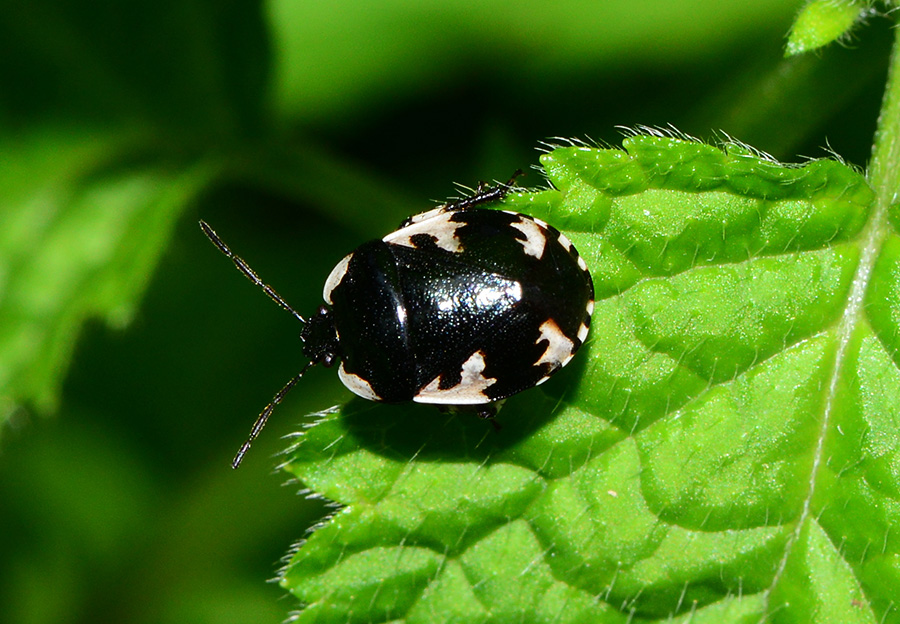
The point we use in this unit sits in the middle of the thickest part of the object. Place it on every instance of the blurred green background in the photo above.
(134, 358)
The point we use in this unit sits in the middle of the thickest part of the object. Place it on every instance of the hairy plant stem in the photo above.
(884, 176)
(884, 170)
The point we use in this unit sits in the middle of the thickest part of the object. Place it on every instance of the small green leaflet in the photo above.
(724, 449)
(821, 22)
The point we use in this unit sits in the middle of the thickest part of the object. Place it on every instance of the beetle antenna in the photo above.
(264, 416)
(251, 275)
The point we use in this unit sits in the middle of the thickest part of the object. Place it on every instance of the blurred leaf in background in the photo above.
(297, 130)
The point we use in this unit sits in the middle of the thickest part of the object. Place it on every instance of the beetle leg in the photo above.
(488, 411)
(485, 194)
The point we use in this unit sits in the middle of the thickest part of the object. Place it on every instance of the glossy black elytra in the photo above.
(461, 306)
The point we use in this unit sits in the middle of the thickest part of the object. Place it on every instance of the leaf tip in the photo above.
(821, 22)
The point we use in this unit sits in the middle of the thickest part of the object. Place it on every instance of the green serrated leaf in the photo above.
(821, 22)
(79, 238)
(723, 450)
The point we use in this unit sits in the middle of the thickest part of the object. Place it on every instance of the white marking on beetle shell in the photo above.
(583, 332)
(565, 242)
(469, 391)
(334, 278)
(357, 385)
(543, 224)
(535, 238)
(582, 264)
(584, 328)
(422, 216)
(439, 227)
(560, 348)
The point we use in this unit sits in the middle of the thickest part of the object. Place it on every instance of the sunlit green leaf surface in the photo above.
(724, 448)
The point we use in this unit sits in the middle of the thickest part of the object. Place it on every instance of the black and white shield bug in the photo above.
(461, 306)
